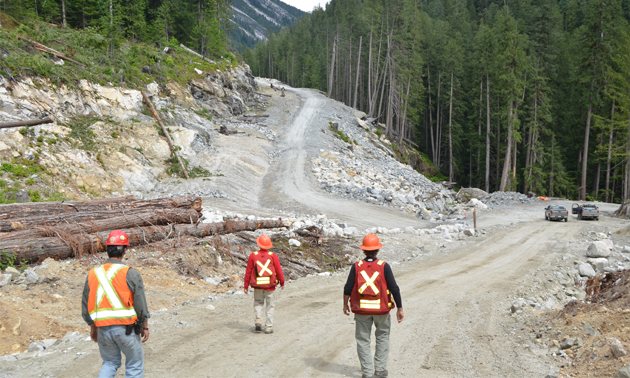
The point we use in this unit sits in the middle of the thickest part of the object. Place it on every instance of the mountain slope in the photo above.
(252, 19)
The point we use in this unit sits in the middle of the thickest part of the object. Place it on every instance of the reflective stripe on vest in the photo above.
(264, 267)
(105, 288)
(370, 304)
(369, 282)
(263, 280)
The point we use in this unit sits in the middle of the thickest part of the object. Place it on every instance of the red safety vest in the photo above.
(110, 301)
(265, 277)
(370, 295)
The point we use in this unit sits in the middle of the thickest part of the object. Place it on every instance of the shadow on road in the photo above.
(332, 368)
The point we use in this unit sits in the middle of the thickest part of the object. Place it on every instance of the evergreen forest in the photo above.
(202, 25)
(518, 95)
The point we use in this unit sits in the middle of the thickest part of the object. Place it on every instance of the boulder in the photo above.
(616, 347)
(35, 347)
(624, 372)
(477, 204)
(294, 243)
(599, 263)
(15, 274)
(568, 343)
(586, 270)
(31, 277)
(466, 194)
(625, 249)
(5, 279)
(469, 232)
(599, 249)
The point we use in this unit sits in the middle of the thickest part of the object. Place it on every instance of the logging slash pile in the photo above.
(32, 232)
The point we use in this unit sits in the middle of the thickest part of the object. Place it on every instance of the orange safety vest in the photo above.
(265, 277)
(370, 295)
(110, 301)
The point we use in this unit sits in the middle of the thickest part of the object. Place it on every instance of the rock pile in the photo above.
(380, 180)
(499, 199)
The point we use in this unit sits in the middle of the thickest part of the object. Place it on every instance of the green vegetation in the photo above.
(124, 47)
(7, 259)
(21, 168)
(204, 113)
(174, 168)
(81, 132)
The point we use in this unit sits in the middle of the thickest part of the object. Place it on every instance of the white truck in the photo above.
(585, 211)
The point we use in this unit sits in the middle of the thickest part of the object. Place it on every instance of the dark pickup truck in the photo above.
(585, 211)
(555, 212)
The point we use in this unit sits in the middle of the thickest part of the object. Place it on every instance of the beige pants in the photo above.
(363, 332)
(260, 297)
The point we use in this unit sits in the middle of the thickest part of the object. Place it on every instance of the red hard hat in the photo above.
(117, 237)
(371, 243)
(264, 242)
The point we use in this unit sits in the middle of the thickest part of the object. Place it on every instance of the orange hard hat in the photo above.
(117, 237)
(371, 243)
(264, 242)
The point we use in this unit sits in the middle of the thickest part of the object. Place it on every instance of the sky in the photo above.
(306, 5)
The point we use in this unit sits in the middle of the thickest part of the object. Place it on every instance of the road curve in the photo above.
(291, 185)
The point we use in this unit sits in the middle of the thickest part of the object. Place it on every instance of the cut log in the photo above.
(47, 49)
(256, 115)
(64, 246)
(34, 122)
(156, 115)
(197, 54)
(225, 131)
(263, 94)
(31, 209)
(122, 220)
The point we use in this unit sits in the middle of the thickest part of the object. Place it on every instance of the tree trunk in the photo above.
(37, 249)
(586, 137)
(369, 92)
(450, 134)
(431, 116)
(332, 68)
(63, 14)
(599, 168)
(436, 159)
(146, 218)
(64, 219)
(26, 210)
(610, 142)
(479, 135)
(356, 85)
(551, 171)
(487, 132)
(508, 152)
(34, 122)
(156, 115)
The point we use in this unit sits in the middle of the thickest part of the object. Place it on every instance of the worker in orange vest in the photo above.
(263, 274)
(115, 308)
(372, 292)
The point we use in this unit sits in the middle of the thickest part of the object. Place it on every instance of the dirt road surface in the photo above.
(455, 296)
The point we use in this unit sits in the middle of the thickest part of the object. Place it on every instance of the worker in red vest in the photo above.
(263, 274)
(115, 308)
(372, 292)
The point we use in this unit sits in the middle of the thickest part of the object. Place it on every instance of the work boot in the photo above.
(382, 373)
(366, 376)
(258, 328)
(268, 330)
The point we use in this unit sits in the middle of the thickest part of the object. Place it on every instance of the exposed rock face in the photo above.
(118, 149)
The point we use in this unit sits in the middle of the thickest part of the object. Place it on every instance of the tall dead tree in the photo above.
(332, 68)
(356, 85)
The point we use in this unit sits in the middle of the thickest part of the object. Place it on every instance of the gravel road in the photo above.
(455, 295)
(291, 185)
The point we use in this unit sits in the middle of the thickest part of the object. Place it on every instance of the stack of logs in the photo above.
(32, 232)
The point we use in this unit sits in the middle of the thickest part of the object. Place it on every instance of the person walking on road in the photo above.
(370, 289)
(115, 308)
(263, 273)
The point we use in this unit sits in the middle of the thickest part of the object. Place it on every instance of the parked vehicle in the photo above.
(556, 212)
(585, 211)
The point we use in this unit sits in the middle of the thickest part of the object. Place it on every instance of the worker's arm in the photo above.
(85, 313)
(347, 290)
(279, 274)
(135, 284)
(248, 273)
(393, 288)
